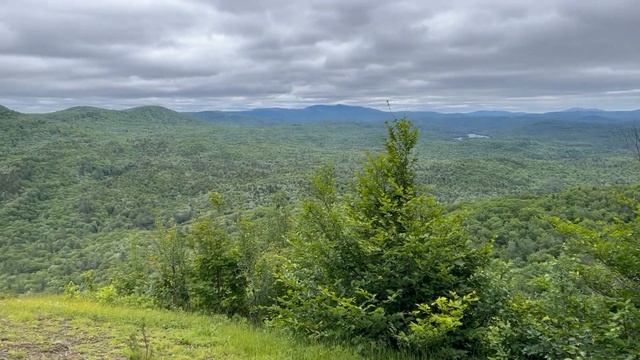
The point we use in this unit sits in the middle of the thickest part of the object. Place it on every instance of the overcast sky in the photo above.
(449, 55)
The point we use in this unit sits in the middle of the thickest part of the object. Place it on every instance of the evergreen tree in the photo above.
(383, 265)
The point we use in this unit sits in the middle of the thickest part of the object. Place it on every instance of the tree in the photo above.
(218, 281)
(262, 242)
(170, 260)
(384, 264)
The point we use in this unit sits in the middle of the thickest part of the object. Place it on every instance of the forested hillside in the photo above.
(76, 184)
(481, 235)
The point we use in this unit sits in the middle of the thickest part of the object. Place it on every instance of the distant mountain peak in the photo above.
(336, 106)
(152, 111)
(580, 109)
(331, 112)
(150, 108)
(155, 113)
(83, 108)
(492, 113)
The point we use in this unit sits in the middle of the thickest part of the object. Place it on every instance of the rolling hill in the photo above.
(77, 185)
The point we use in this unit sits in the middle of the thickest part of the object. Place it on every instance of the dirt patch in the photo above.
(58, 348)
(55, 339)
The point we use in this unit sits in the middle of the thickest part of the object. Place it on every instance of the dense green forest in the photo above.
(408, 236)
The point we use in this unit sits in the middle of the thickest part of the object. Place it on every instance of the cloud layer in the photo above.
(453, 55)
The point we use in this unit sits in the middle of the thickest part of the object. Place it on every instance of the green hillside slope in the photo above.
(76, 185)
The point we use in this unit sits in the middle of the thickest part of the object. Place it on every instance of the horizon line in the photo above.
(329, 105)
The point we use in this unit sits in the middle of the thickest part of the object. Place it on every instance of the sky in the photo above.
(449, 55)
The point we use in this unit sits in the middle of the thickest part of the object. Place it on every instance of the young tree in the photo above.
(218, 282)
(384, 264)
(170, 260)
(262, 242)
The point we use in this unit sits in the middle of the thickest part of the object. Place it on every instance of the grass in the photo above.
(54, 327)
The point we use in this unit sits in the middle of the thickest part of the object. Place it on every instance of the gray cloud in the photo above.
(441, 55)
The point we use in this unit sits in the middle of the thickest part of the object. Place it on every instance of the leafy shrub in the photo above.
(106, 294)
(434, 324)
(71, 290)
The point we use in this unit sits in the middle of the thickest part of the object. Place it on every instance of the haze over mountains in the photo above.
(575, 124)
(358, 113)
(342, 112)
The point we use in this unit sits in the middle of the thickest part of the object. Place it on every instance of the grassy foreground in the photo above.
(54, 327)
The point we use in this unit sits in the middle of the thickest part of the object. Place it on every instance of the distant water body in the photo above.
(471, 136)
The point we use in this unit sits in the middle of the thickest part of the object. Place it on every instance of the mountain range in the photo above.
(336, 113)
(359, 114)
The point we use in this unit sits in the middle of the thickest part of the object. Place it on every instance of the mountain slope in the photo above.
(142, 114)
(313, 113)
(157, 113)
(7, 113)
